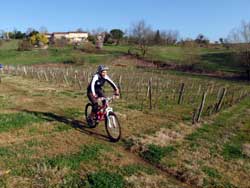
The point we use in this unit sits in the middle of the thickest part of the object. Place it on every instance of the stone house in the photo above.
(73, 37)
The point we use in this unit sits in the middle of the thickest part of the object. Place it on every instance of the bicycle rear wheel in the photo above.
(91, 122)
(113, 127)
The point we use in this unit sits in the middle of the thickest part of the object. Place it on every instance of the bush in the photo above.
(89, 47)
(63, 42)
(24, 45)
(104, 179)
(92, 39)
(75, 59)
(39, 39)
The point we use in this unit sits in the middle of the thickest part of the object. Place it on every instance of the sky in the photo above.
(212, 18)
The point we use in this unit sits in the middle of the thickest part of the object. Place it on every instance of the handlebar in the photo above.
(108, 98)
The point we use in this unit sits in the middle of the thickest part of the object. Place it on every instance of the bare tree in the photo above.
(241, 34)
(98, 31)
(245, 60)
(43, 29)
(245, 31)
(242, 55)
(234, 36)
(29, 31)
(169, 37)
(143, 35)
(79, 30)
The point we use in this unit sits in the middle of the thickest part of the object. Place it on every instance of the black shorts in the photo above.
(91, 97)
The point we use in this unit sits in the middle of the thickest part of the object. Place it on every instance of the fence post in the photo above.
(120, 85)
(201, 106)
(25, 71)
(150, 93)
(218, 106)
(45, 75)
(180, 100)
(232, 99)
(194, 116)
(38, 75)
(199, 90)
(65, 79)
(78, 81)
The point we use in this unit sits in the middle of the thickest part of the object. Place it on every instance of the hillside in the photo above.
(192, 59)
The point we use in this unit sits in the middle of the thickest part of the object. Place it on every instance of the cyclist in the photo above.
(94, 90)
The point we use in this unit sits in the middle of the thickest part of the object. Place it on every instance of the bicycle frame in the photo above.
(105, 113)
(104, 109)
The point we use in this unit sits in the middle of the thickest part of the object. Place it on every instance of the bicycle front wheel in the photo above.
(113, 127)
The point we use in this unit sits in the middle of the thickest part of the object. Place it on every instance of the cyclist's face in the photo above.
(104, 73)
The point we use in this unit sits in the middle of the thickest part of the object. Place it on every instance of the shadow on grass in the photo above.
(76, 124)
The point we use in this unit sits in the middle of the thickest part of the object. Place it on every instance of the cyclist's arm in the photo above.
(115, 88)
(95, 78)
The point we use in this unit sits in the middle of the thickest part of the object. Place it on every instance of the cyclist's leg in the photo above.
(100, 93)
(94, 102)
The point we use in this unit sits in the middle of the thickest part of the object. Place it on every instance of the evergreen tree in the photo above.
(157, 37)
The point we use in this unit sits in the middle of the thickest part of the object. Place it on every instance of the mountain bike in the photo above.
(104, 113)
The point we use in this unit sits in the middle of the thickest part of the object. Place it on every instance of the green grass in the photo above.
(234, 148)
(165, 53)
(51, 55)
(211, 172)
(17, 120)
(221, 126)
(6, 152)
(232, 151)
(134, 106)
(217, 184)
(15, 57)
(9, 45)
(210, 59)
(17, 158)
(128, 143)
(73, 112)
(34, 143)
(105, 179)
(133, 169)
(72, 180)
(222, 138)
(86, 154)
(61, 127)
(155, 153)
(2, 183)
(4, 103)
(116, 50)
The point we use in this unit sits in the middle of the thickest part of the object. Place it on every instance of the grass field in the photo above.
(45, 142)
(209, 59)
(41, 146)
